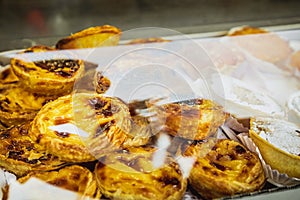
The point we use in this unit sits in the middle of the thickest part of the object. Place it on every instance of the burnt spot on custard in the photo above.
(62, 134)
(167, 180)
(239, 149)
(97, 103)
(62, 67)
(18, 155)
(103, 107)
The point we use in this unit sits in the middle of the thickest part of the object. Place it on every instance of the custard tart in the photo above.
(194, 119)
(245, 30)
(19, 154)
(227, 169)
(74, 178)
(91, 37)
(83, 126)
(278, 142)
(55, 76)
(130, 174)
(18, 105)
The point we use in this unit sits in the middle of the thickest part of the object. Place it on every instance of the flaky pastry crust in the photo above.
(100, 124)
(91, 37)
(74, 177)
(18, 105)
(194, 119)
(20, 155)
(130, 174)
(227, 169)
(49, 77)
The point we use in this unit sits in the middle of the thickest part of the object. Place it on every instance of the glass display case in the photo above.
(160, 53)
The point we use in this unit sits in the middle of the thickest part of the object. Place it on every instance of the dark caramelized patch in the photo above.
(4, 104)
(22, 66)
(62, 134)
(106, 112)
(102, 83)
(218, 166)
(4, 74)
(97, 103)
(5, 135)
(239, 149)
(102, 127)
(59, 182)
(167, 180)
(39, 137)
(61, 120)
(63, 67)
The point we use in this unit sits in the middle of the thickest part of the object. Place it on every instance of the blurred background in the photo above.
(27, 22)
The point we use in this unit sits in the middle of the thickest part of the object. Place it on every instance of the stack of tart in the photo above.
(94, 144)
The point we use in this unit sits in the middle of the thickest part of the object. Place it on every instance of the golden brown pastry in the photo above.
(19, 154)
(130, 174)
(83, 126)
(194, 119)
(75, 178)
(55, 76)
(91, 37)
(227, 169)
(7, 77)
(246, 30)
(278, 142)
(18, 105)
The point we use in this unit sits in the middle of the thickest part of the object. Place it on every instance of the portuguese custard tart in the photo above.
(91, 37)
(130, 174)
(55, 76)
(194, 119)
(227, 169)
(74, 178)
(18, 105)
(83, 126)
(19, 154)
